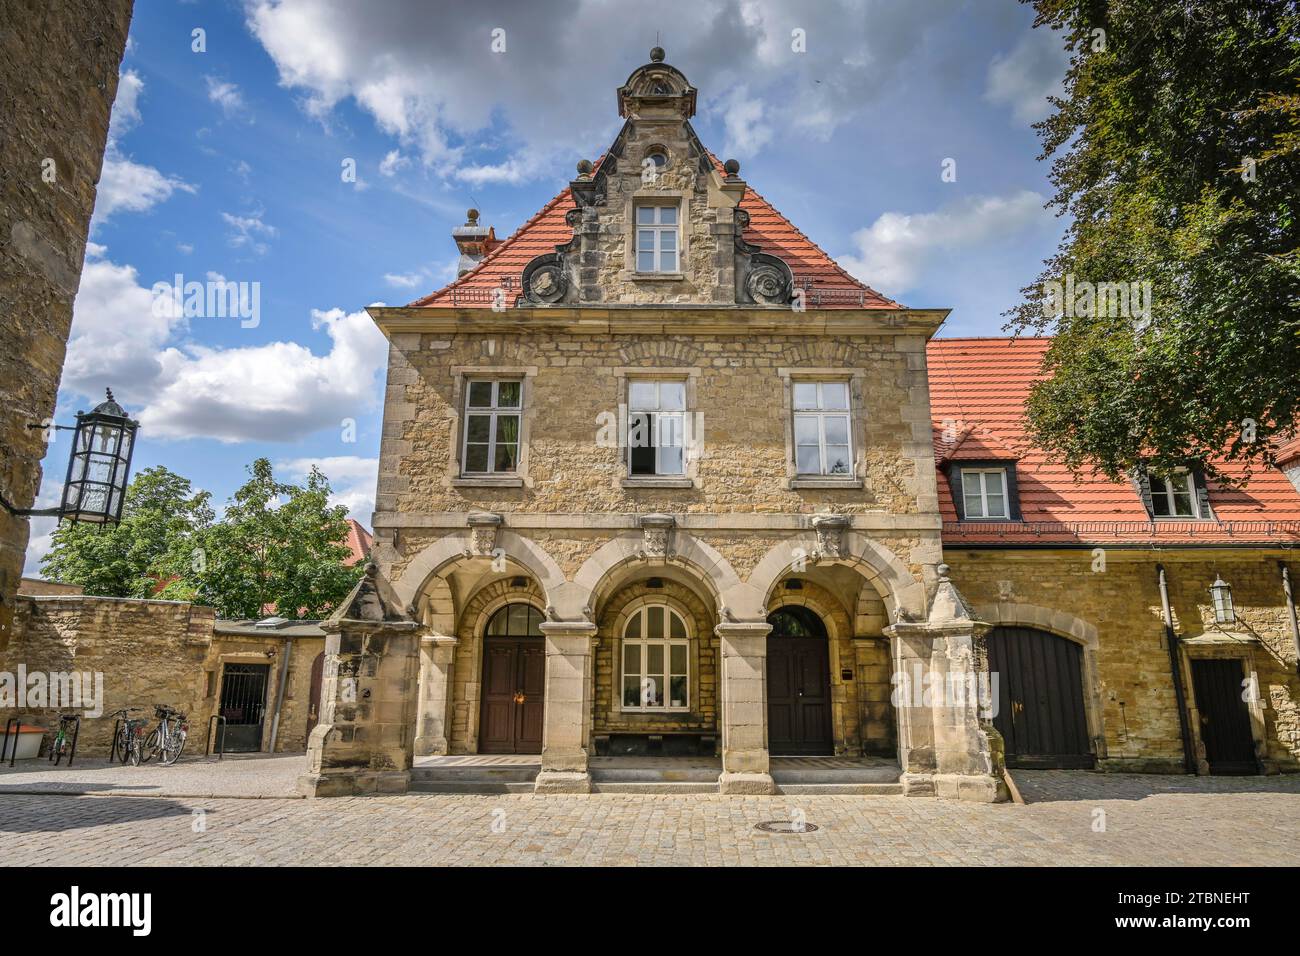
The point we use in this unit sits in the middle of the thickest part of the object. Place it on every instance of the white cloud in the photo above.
(433, 82)
(41, 536)
(403, 281)
(392, 162)
(898, 248)
(277, 391)
(226, 95)
(245, 230)
(1025, 77)
(747, 133)
(125, 185)
(352, 480)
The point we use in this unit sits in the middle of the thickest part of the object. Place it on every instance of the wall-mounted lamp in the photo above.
(1221, 595)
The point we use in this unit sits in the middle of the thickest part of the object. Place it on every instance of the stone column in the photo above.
(745, 766)
(567, 729)
(364, 742)
(437, 657)
(943, 748)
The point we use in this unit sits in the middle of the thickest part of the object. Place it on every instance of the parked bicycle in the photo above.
(65, 739)
(128, 743)
(167, 739)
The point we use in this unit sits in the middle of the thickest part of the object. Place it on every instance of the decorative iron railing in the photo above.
(1096, 530)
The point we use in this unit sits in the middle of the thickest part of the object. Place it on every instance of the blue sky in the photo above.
(229, 162)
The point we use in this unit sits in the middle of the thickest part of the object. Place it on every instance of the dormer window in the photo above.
(984, 490)
(656, 238)
(1174, 496)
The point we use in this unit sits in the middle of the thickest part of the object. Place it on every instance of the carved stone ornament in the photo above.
(830, 535)
(483, 527)
(769, 280)
(656, 535)
(544, 279)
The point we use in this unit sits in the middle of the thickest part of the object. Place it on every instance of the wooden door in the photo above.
(798, 685)
(514, 676)
(1225, 721)
(1040, 710)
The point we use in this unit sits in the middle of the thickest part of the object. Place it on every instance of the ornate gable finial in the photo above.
(657, 87)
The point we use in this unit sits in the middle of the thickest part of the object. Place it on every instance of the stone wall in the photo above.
(1132, 688)
(151, 652)
(58, 77)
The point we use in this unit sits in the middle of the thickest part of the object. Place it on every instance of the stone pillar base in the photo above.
(974, 788)
(917, 784)
(353, 783)
(430, 746)
(562, 781)
(746, 783)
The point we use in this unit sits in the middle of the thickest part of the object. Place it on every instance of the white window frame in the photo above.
(1171, 498)
(658, 415)
(975, 476)
(643, 643)
(657, 230)
(820, 414)
(492, 412)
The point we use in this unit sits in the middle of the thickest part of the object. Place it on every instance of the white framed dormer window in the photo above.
(656, 433)
(984, 493)
(491, 427)
(656, 672)
(1174, 496)
(656, 238)
(822, 436)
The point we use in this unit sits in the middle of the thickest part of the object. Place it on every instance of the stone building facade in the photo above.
(658, 477)
(58, 77)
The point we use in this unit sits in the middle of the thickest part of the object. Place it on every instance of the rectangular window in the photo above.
(491, 427)
(656, 238)
(1174, 496)
(821, 429)
(656, 436)
(984, 492)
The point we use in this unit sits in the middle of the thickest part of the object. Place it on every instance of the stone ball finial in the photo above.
(371, 569)
(656, 54)
(732, 167)
(471, 215)
(944, 571)
(585, 167)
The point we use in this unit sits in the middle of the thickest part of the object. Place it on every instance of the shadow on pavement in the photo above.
(62, 813)
(1054, 786)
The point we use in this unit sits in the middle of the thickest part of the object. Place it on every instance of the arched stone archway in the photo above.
(460, 546)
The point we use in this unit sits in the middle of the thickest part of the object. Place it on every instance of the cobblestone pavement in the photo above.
(1147, 820)
(237, 775)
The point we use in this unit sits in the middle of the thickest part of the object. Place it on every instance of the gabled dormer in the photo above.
(981, 472)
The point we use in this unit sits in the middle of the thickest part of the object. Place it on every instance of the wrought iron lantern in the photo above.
(98, 468)
(1221, 595)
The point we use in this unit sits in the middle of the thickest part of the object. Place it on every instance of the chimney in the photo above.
(473, 241)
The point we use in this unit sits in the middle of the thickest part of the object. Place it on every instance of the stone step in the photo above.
(479, 787)
(809, 775)
(655, 775)
(666, 787)
(504, 774)
(840, 789)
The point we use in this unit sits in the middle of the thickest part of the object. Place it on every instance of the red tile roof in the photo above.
(828, 285)
(359, 541)
(978, 389)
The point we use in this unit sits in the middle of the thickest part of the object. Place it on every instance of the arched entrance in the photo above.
(514, 674)
(798, 684)
(1040, 710)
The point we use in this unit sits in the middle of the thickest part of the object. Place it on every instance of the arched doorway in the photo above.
(798, 684)
(514, 673)
(1040, 710)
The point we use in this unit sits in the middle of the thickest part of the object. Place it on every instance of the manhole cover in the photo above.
(785, 826)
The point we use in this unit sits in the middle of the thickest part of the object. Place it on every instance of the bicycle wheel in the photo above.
(121, 745)
(137, 742)
(57, 751)
(150, 746)
(175, 745)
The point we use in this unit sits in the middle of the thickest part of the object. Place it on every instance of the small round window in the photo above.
(658, 156)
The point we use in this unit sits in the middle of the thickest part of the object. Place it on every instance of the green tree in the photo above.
(1174, 154)
(162, 519)
(278, 546)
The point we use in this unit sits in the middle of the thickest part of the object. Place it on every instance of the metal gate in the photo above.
(243, 704)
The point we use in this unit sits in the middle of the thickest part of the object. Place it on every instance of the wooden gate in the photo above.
(1225, 721)
(1040, 711)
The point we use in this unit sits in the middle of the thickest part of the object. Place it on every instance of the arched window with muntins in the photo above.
(656, 652)
(515, 620)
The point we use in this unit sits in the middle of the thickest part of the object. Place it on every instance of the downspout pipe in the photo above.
(279, 694)
(1176, 671)
(1290, 606)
